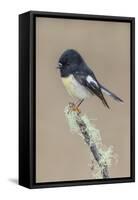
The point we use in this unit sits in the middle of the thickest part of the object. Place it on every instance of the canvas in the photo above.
(76, 99)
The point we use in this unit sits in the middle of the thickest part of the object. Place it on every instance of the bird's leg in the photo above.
(72, 105)
(75, 106)
(79, 103)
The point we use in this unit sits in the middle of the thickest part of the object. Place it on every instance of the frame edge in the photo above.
(24, 98)
(25, 168)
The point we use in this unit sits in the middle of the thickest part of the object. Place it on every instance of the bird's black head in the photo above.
(69, 62)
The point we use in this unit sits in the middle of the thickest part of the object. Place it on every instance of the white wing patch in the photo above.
(91, 80)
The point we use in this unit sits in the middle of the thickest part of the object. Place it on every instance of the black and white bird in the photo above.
(79, 80)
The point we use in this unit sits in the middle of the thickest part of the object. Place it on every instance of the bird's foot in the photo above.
(74, 107)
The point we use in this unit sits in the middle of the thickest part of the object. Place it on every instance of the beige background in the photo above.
(105, 46)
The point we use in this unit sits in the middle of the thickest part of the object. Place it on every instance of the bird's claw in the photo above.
(73, 107)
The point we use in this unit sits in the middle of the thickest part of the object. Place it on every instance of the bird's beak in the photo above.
(59, 65)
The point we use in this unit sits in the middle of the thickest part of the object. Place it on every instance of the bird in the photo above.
(80, 81)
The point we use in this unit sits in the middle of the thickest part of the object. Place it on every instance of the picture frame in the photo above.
(27, 98)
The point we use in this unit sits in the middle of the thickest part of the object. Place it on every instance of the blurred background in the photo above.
(105, 46)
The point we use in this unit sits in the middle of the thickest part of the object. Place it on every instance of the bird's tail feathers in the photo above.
(109, 93)
(105, 102)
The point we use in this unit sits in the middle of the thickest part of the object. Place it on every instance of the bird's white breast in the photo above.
(74, 88)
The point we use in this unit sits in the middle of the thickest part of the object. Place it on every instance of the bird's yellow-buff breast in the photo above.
(74, 88)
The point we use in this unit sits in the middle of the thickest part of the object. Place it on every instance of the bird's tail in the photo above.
(109, 93)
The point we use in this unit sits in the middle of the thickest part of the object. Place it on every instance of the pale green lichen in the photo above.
(94, 133)
(94, 137)
(97, 173)
(107, 156)
(71, 119)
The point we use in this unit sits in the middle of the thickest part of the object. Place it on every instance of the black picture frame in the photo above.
(27, 98)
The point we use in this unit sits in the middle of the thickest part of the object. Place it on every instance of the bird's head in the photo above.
(69, 61)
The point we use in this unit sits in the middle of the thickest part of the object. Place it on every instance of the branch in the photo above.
(97, 155)
(92, 138)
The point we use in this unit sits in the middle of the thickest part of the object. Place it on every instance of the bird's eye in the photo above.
(60, 64)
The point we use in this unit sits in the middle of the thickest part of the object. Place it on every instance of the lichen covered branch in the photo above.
(82, 125)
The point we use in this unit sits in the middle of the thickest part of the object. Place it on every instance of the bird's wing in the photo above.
(111, 94)
(89, 81)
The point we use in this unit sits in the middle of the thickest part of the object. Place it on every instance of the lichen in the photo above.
(71, 119)
(94, 134)
(106, 154)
